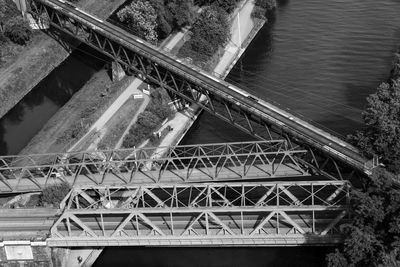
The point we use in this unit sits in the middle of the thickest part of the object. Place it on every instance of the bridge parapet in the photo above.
(231, 214)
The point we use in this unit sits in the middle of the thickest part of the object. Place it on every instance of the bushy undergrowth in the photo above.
(148, 121)
(12, 24)
(54, 194)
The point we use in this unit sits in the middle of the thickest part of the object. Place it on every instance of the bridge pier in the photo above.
(117, 71)
(76, 257)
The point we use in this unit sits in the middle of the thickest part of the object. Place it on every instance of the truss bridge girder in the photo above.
(327, 154)
(230, 214)
(194, 163)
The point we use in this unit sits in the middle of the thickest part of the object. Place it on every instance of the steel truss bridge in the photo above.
(176, 164)
(327, 154)
(231, 214)
(222, 194)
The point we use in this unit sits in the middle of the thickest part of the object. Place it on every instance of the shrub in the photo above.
(148, 120)
(258, 12)
(161, 111)
(3, 40)
(267, 4)
(54, 194)
(18, 30)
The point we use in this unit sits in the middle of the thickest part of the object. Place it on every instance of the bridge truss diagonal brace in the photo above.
(210, 195)
(155, 66)
(194, 163)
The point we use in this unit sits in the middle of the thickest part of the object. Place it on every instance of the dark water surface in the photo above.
(320, 59)
(212, 257)
(26, 119)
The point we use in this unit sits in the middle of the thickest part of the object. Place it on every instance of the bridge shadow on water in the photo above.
(213, 257)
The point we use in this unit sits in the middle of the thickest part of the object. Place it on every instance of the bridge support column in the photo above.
(117, 72)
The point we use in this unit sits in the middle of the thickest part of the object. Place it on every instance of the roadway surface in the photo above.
(26, 223)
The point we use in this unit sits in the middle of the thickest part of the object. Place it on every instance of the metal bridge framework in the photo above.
(134, 59)
(190, 163)
(231, 214)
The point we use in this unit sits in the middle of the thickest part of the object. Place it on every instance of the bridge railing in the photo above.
(251, 214)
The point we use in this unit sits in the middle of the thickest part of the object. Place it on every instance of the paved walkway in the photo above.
(241, 28)
(107, 115)
(182, 119)
(99, 126)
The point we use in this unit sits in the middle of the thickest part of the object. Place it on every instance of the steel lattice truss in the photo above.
(135, 59)
(280, 213)
(196, 163)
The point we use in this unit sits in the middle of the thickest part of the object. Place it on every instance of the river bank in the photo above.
(244, 27)
(27, 65)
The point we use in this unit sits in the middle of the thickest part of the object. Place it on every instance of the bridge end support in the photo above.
(76, 257)
(117, 71)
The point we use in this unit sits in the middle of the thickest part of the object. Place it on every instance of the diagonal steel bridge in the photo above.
(221, 194)
(328, 155)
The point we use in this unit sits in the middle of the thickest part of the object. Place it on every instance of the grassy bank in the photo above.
(84, 108)
(24, 67)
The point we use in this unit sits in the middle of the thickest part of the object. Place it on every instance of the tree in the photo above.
(381, 134)
(182, 12)
(17, 30)
(227, 5)
(141, 18)
(210, 31)
(8, 10)
(268, 5)
(148, 120)
(373, 236)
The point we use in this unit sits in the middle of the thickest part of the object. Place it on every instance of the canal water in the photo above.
(26, 119)
(320, 59)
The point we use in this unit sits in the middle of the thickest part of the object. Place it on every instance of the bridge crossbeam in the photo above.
(196, 163)
(232, 214)
(209, 195)
(214, 96)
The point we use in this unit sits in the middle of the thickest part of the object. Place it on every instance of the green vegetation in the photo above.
(120, 121)
(149, 120)
(54, 194)
(12, 24)
(209, 33)
(381, 133)
(227, 5)
(154, 20)
(373, 236)
(263, 7)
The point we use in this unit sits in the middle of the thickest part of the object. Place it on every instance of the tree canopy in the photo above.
(381, 134)
(210, 30)
(157, 18)
(141, 18)
(373, 236)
